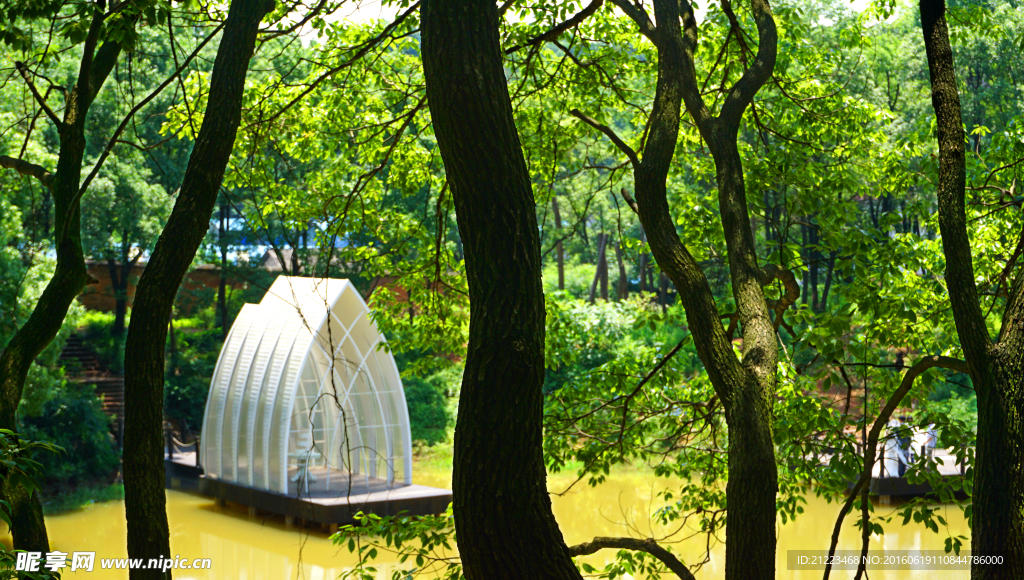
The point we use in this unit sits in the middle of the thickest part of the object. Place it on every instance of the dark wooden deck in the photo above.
(319, 505)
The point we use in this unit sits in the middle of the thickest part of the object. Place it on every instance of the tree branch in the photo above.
(637, 13)
(25, 168)
(559, 28)
(742, 93)
(637, 545)
(23, 69)
(361, 50)
(504, 8)
(124, 122)
(871, 447)
(1012, 327)
(630, 201)
(633, 159)
(769, 274)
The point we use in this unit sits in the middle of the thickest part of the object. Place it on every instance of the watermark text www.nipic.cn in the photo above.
(86, 561)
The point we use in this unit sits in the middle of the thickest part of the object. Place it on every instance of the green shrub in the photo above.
(189, 370)
(96, 333)
(73, 420)
(429, 417)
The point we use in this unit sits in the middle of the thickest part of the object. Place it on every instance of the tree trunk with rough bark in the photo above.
(622, 285)
(222, 301)
(559, 247)
(601, 248)
(119, 286)
(996, 368)
(69, 276)
(502, 510)
(148, 535)
(745, 386)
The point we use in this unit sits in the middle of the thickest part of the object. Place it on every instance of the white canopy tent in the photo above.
(302, 397)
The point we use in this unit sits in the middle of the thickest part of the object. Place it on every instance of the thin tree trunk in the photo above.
(148, 535)
(747, 385)
(814, 265)
(828, 280)
(502, 509)
(997, 369)
(643, 263)
(119, 286)
(602, 268)
(663, 292)
(805, 258)
(622, 291)
(559, 248)
(601, 239)
(222, 302)
(69, 276)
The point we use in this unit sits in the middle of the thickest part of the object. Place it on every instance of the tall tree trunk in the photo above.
(643, 263)
(69, 276)
(601, 246)
(997, 368)
(828, 280)
(119, 286)
(559, 247)
(663, 292)
(622, 289)
(814, 265)
(745, 386)
(147, 334)
(502, 509)
(602, 268)
(222, 301)
(805, 258)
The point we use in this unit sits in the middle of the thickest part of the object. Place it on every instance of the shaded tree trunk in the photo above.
(602, 268)
(559, 248)
(663, 292)
(996, 368)
(622, 289)
(69, 276)
(745, 386)
(222, 302)
(828, 280)
(601, 247)
(186, 227)
(119, 286)
(814, 265)
(502, 509)
(643, 264)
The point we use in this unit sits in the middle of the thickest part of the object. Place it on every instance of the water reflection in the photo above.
(245, 548)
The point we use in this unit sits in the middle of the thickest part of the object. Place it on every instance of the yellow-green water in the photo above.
(263, 549)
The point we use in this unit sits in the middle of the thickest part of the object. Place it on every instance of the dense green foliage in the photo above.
(74, 421)
(336, 173)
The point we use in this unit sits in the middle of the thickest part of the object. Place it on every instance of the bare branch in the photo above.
(611, 135)
(25, 168)
(630, 201)
(559, 28)
(364, 48)
(637, 13)
(637, 545)
(871, 447)
(742, 93)
(35, 94)
(124, 122)
(769, 274)
(504, 8)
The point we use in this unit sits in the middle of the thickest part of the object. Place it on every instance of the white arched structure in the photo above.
(303, 396)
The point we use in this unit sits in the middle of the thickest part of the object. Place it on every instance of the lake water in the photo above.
(264, 549)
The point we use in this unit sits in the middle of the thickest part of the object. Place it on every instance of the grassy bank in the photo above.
(80, 497)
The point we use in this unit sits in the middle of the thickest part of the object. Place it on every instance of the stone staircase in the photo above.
(83, 366)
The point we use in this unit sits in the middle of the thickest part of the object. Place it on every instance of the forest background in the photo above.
(336, 171)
